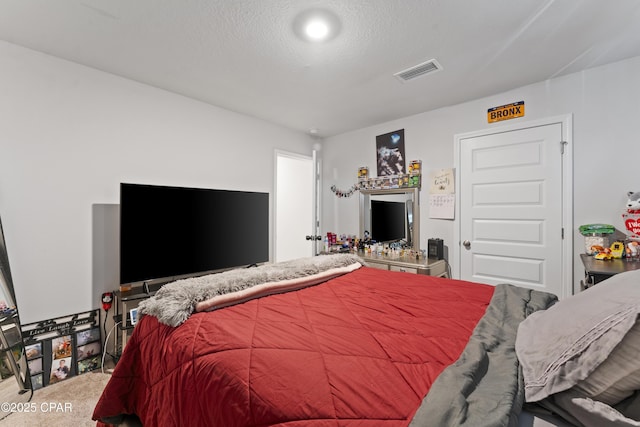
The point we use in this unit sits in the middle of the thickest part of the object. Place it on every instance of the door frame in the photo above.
(566, 122)
(315, 203)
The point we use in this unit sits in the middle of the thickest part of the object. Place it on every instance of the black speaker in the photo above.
(435, 248)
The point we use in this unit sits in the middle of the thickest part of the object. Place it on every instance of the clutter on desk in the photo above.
(596, 237)
(345, 243)
(605, 242)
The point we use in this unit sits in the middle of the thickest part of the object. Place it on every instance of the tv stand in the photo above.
(124, 301)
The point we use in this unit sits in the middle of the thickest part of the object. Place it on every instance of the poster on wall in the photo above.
(390, 153)
(442, 197)
(505, 112)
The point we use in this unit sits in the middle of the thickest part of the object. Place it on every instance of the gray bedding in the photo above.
(484, 387)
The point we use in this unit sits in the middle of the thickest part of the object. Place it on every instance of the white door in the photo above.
(512, 208)
(294, 206)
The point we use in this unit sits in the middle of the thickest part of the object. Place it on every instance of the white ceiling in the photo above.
(243, 55)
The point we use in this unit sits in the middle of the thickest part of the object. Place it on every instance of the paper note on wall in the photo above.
(442, 196)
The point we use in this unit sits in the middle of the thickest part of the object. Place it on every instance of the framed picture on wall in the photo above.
(37, 381)
(55, 347)
(89, 350)
(35, 365)
(390, 153)
(89, 364)
(34, 350)
(87, 336)
(61, 369)
(61, 359)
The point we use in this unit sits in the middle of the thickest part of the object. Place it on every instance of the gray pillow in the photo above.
(563, 345)
(586, 412)
(618, 376)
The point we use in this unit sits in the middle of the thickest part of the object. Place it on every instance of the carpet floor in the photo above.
(67, 403)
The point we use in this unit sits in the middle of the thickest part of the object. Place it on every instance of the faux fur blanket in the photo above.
(176, 301)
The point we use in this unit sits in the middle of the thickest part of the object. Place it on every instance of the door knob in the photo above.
(466, 244)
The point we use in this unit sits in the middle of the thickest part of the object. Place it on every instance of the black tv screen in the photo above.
(177, 231)
(387, 221)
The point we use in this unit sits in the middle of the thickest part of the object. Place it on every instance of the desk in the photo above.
(597, 270)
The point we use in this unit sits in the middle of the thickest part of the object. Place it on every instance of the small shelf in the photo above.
(124, 302)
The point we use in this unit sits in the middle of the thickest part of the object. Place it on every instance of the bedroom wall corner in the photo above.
(74, 134)
(602, 102)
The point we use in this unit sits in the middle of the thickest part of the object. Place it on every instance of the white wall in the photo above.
(69, 135)
(605, 108)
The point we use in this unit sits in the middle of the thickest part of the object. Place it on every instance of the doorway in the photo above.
(295, 206)
(514, 206)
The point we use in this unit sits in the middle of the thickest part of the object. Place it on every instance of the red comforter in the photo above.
(358, 350)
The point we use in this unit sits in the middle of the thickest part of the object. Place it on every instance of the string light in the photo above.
(345, 193)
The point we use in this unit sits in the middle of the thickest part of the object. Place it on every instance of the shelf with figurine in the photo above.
(412, 179)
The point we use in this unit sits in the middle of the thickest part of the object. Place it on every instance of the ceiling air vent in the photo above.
(418, 70)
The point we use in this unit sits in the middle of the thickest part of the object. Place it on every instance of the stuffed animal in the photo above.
(633, 202)
(633, 249)
(631, 215)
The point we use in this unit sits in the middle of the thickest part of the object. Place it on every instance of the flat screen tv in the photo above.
(388, 221)
(176, 231)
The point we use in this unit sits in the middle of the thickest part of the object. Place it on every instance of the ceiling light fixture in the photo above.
(316, 25)
(317, 30)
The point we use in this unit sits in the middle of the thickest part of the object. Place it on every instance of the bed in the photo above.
(327, 341)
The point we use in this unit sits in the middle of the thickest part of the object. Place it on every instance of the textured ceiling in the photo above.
(243, 55)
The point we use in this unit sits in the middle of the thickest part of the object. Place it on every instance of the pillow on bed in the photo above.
(618, 376)
(569, 343)
(586, 412)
